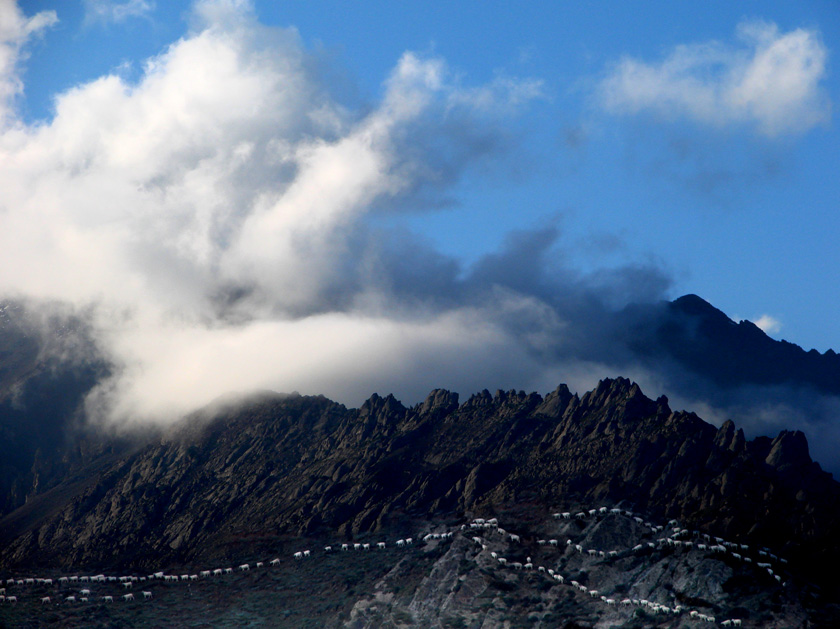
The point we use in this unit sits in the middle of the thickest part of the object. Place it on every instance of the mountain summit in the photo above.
(706, 342)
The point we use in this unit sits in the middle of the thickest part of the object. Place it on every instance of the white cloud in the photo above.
(114, 11)
(214, 213)
(768, 324)
(15, 30)
(770, 80)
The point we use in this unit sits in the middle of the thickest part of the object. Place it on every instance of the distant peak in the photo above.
(695, 305)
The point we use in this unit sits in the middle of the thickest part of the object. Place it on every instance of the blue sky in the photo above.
(658, 149)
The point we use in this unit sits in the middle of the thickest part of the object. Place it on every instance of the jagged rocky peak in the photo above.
(556, 402)
(512, 396)
(789, 450)
(730, 438)
(621, 394)
(439, 401)
(482, 398)
(378, 405)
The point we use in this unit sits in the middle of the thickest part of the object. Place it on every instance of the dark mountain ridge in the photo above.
(306, 466)
(49, 362)
(703, 339)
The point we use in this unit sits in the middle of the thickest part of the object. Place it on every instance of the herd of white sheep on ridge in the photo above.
(79, 589)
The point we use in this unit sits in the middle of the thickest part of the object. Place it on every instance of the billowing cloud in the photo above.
(771, 80)
(116, 11)
(214, 220)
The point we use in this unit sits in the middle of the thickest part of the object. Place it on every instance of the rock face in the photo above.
(282, 466)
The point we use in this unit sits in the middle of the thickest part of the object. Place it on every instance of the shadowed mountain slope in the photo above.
(48, 364)
(289, 466)
(705, 341)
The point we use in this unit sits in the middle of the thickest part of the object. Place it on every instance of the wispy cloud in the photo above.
(116, 11)
(768, 324)
(770, 81)
(15, 30)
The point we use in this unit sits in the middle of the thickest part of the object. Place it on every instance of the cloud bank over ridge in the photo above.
(218, 213)
(216, 220)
